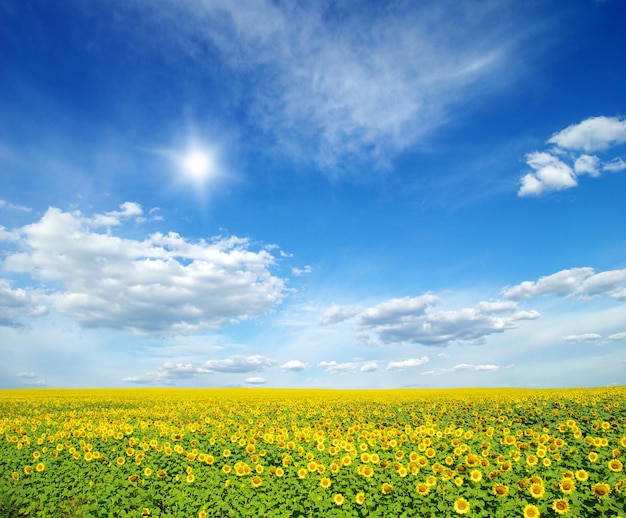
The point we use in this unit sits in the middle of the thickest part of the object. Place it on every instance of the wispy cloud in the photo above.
(585, 337)
(551, 172)
(331, 82)
(464, 367)
(10, 206)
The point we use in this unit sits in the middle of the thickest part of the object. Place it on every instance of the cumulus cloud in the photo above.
(17, 304)
(294, 365)
(552, 173)
(161, 284)
(171, 372)
(369, 367)
(238, 364)
(407, 364)
(335, 314)
(408, 321)
(463, 367)
(580, 282)
(587, 164)
(593, 134)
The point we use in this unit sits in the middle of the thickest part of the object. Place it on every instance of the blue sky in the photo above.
(312, 194)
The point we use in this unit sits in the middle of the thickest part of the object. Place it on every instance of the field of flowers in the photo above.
(279, 453)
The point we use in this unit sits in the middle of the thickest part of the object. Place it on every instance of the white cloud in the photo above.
(370, 84)
(585, 337)
(335, 314)
(294, 365)
(407, 364)
(162, 284)
(581, 282)
(396, 309)
(615, 165)
(333, 367)
(10, 206)
(301, 271)
(255, 380)
(172, 372)
(369, 367)
(551, 174)
(463, 367)
(17, 304)
(617, 337)
(593, 134)
(26, 375)
(238, 364)
(587, 164)
(408, 321)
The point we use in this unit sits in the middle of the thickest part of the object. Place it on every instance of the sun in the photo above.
(198, 165)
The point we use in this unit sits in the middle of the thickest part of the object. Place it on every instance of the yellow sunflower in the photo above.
(461, 506)
(560, 506)
(601, 489)
(531, 511)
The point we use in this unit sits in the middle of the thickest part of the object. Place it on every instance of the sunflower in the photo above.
(325, 482)
(422, 489)
(40, 467)
(147, 472)
(386, 488)
(567, 486)
(581, 475)
(532, 460)
(338, 499)
(256, 481)
(461, 506)
(601, 489)
(302, 473)
(615, 465)
(593, 457)
(190, 478)
(500, 490)
(560, 506)
(476, 475)
(279, 472)
(536, 490)
(531, 511)
(360, 498)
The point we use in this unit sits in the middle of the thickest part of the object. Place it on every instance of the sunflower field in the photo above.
(313, 453)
